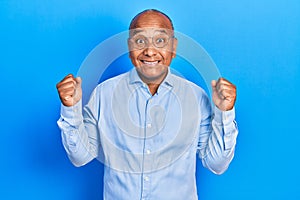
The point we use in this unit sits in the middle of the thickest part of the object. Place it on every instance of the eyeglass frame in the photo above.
(152, 37)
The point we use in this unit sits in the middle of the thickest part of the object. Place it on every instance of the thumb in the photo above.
(213, 84)
(78, 81)
(78, 90)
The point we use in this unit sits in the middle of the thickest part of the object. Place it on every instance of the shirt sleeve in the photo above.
(79, 131)
(217, 140)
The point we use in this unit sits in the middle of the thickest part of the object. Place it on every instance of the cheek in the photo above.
(133, 56)
(167, 55)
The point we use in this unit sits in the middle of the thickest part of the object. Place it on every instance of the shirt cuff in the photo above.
(224, 117)
(72, 114)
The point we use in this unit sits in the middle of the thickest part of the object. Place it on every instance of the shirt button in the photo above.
(148, 151)
(146, 178)
(149, 125)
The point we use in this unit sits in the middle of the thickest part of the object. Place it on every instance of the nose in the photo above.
(150, 51)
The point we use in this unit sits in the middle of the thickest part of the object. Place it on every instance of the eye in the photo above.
(160, 40)
(140, 41)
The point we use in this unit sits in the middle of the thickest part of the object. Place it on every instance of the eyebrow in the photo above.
(136, 31)
(162, 31)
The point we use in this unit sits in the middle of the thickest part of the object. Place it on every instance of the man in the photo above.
(148, 125)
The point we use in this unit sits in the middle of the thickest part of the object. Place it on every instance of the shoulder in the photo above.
(192, 94)
(112, 82)
(183, 83)
(104, 90)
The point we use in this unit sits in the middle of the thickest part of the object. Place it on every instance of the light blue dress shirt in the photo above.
(148, 143)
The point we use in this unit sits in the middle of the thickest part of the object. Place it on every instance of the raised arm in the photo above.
(79, 129)
(218, 130)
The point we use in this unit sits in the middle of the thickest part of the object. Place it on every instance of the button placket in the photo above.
(148, 125)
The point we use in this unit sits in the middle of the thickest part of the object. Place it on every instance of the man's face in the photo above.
(152, 46)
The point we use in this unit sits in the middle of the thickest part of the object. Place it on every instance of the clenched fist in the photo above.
(224, 94)
(69, 90)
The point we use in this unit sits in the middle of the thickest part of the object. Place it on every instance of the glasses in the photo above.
(140, 41)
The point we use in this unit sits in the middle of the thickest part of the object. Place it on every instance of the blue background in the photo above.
(255, 44)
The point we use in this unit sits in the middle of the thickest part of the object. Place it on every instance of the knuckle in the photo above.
(60, 90)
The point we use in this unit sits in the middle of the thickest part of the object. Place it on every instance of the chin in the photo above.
(152, 75)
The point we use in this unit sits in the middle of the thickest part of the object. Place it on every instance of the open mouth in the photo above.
(150, 63)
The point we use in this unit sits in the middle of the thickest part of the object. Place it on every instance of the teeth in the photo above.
(150, 63)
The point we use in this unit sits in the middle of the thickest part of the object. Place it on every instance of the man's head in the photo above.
(152, 45)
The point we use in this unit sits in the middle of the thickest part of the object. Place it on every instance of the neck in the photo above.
(153, 88)
(153, 84)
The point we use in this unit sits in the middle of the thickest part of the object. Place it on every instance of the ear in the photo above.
(174, 47)
(128, 46)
